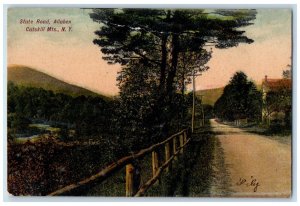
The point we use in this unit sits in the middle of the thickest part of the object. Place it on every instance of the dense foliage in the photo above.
(43, 166)
(86, 115)
(240, 99)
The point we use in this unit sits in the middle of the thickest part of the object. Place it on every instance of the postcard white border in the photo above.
(212, 4)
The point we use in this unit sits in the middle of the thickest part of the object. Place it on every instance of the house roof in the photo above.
(276, 84)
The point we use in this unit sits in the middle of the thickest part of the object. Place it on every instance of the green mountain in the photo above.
(26, 76)
(210, 96)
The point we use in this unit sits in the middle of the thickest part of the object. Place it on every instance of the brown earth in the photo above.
(252, 165)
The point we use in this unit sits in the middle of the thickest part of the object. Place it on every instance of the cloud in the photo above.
(270, 23)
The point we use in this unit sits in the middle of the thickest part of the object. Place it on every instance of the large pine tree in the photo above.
(158, 50)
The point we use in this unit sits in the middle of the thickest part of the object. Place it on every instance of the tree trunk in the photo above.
(183, 98)
(163, 64)
(174, 61)
(164, 54)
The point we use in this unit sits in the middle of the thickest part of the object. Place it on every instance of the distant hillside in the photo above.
(210, 96)
(25, 76)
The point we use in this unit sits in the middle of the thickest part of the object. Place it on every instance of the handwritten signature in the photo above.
(253, 182)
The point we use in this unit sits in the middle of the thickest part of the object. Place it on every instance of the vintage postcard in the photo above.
(152, 102)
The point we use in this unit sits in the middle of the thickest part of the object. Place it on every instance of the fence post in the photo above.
(174, 147)
(129, 180)
(167, 155)
(181, 143)
(155, 164)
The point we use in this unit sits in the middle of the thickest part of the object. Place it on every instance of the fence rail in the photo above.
(131, 186)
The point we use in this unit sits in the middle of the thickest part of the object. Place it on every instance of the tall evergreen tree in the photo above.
(158, 49)
(157, 36)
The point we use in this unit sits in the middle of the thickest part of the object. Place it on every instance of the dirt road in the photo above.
(249, 165)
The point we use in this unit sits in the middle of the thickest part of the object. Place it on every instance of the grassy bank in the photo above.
(191, 173)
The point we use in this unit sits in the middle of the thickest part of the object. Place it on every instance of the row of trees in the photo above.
(159, 50)
(87, 115)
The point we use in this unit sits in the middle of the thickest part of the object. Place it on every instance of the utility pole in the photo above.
(194, 99)
(203, 117)
(193, 111)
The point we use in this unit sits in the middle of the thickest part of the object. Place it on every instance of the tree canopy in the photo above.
(159, 50)
(158, 36)
(240, 99)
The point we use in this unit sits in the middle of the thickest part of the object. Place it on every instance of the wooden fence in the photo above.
(173, 146)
